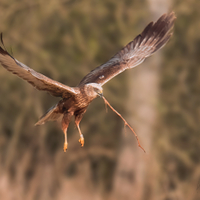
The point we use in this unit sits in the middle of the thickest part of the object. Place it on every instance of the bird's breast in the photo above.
(83, 100)
(75, 103)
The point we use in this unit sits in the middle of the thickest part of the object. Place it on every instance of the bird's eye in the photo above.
(96, 90)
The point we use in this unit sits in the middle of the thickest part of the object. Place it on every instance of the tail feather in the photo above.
(51, 115)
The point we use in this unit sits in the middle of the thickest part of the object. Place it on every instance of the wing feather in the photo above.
(36, 79)
(153, 37)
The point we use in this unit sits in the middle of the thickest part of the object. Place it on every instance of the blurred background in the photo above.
(65, 39)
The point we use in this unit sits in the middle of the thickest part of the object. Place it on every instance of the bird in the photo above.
(75, 100)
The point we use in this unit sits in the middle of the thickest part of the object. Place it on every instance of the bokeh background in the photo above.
(65, 39)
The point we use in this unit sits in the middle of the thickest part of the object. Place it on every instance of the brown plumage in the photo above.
(75, 100)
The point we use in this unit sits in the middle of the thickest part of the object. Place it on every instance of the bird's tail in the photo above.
(51, 115)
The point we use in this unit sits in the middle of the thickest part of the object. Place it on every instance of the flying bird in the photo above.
(75, 100)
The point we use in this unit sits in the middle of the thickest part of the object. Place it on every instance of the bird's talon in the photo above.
(81, 140)
(65, 147)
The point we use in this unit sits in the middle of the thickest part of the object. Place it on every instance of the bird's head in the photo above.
(95, 89)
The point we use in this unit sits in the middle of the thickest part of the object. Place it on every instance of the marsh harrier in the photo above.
(75, 100)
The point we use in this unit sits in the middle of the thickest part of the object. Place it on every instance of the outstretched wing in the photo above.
(36, 79)
(153, 37)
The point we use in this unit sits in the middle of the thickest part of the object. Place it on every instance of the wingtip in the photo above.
(38, 123)
(2, 43)
(2, 38)
(172, 16)
(172, 13)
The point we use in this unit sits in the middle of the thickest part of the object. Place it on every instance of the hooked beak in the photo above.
(101, 94)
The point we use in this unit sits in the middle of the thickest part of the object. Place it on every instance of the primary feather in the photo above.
(36, 79)
(153, 37)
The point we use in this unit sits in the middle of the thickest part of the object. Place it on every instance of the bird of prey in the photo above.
(75, 100)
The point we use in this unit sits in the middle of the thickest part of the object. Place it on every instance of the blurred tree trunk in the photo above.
(135, 176)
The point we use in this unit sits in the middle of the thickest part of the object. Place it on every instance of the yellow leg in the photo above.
(65, 123)
(65, 143)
